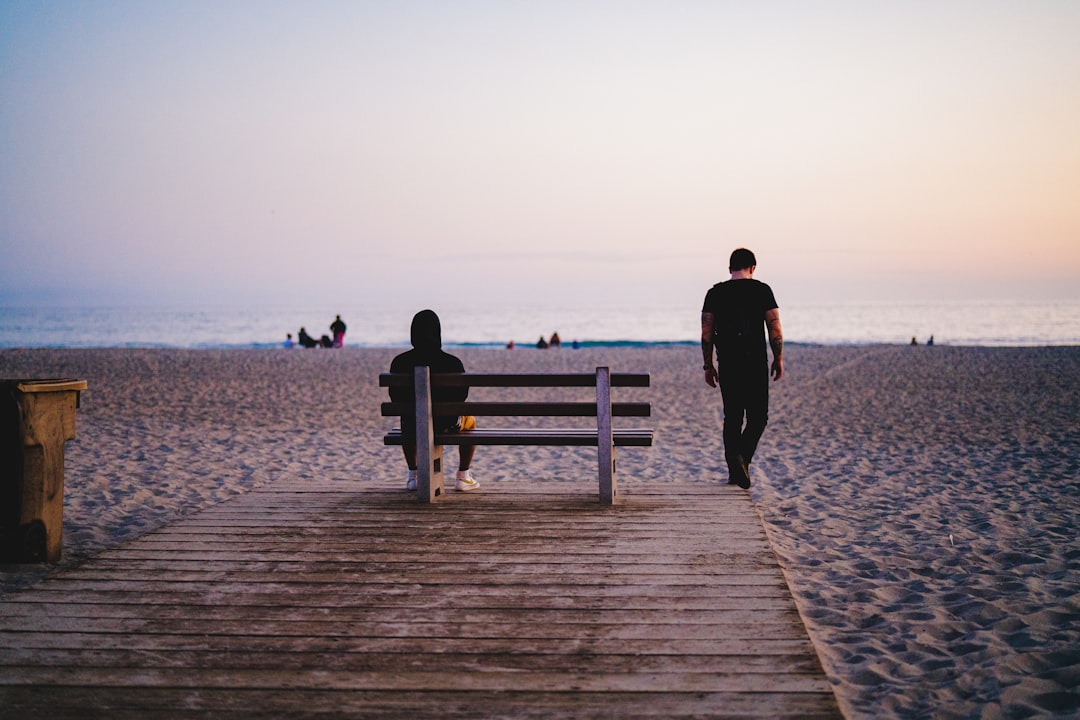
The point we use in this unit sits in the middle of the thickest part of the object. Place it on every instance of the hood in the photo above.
(426, 331)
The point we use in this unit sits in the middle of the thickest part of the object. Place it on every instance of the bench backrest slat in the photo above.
(510, 380)
(522, 409)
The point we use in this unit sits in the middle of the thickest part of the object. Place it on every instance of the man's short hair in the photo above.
(742, 259)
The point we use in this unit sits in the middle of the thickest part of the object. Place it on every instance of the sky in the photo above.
(229, 152)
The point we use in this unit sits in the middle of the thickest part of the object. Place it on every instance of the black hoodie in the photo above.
(426, 335)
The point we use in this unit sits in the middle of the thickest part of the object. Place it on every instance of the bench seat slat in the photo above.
(623, 437)
(517, 380)
(521, 409)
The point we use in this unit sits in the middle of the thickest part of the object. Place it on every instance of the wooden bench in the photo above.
(604, 436)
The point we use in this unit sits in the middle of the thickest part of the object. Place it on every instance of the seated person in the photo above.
(306, 340)
(426, 333)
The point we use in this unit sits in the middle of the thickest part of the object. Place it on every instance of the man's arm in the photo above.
(776, 340)
(707, 348)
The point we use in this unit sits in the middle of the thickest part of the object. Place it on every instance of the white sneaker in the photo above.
(466, 482)
(410, 480)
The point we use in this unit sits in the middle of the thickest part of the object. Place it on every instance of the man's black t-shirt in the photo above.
(738, 308)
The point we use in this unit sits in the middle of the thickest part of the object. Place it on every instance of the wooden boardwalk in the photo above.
(337, 600)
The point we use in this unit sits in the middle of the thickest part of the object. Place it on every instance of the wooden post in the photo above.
(605, 445)
(429, 476)
(44, 417)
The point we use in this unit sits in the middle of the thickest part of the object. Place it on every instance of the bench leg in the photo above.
(429, 472)
(605, 444)
(429, 456)
(608, 482)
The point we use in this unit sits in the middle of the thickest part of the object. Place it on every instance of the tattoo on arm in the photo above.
(706, 337)
(776, 334)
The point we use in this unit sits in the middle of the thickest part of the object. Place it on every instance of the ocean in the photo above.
(996, 323)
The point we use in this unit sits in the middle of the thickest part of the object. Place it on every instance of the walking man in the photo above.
(733, 321)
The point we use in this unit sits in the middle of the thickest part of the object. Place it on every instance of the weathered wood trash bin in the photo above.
(36, 418)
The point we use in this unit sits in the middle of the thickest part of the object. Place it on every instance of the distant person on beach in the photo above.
(426, 333)
(288, 340)
(733, 321)
(338, 328)
(541, 344)
(930, 341)
(306, 340)
(556, 341)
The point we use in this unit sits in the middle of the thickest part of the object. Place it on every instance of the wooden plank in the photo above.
(510, 380)
(304, 598)
(520, 409)
(430, 477)
(389, 595)
(521, 630)
(251, 703)
(270, 553)
(50, 385)
(460, 658)
(420, 679)
(734, 647)
(652, 596)
(580, 437)
(605, 442)
(389, 610)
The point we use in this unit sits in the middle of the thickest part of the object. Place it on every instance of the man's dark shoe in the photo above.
(740, 473)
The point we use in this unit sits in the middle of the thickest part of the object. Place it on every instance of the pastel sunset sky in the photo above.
(187, 152)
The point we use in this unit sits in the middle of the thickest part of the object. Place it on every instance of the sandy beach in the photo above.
(923, 501)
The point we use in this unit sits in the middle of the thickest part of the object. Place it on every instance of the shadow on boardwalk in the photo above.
(297, 600)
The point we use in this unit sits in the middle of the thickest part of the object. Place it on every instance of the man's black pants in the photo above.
(745, 390)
